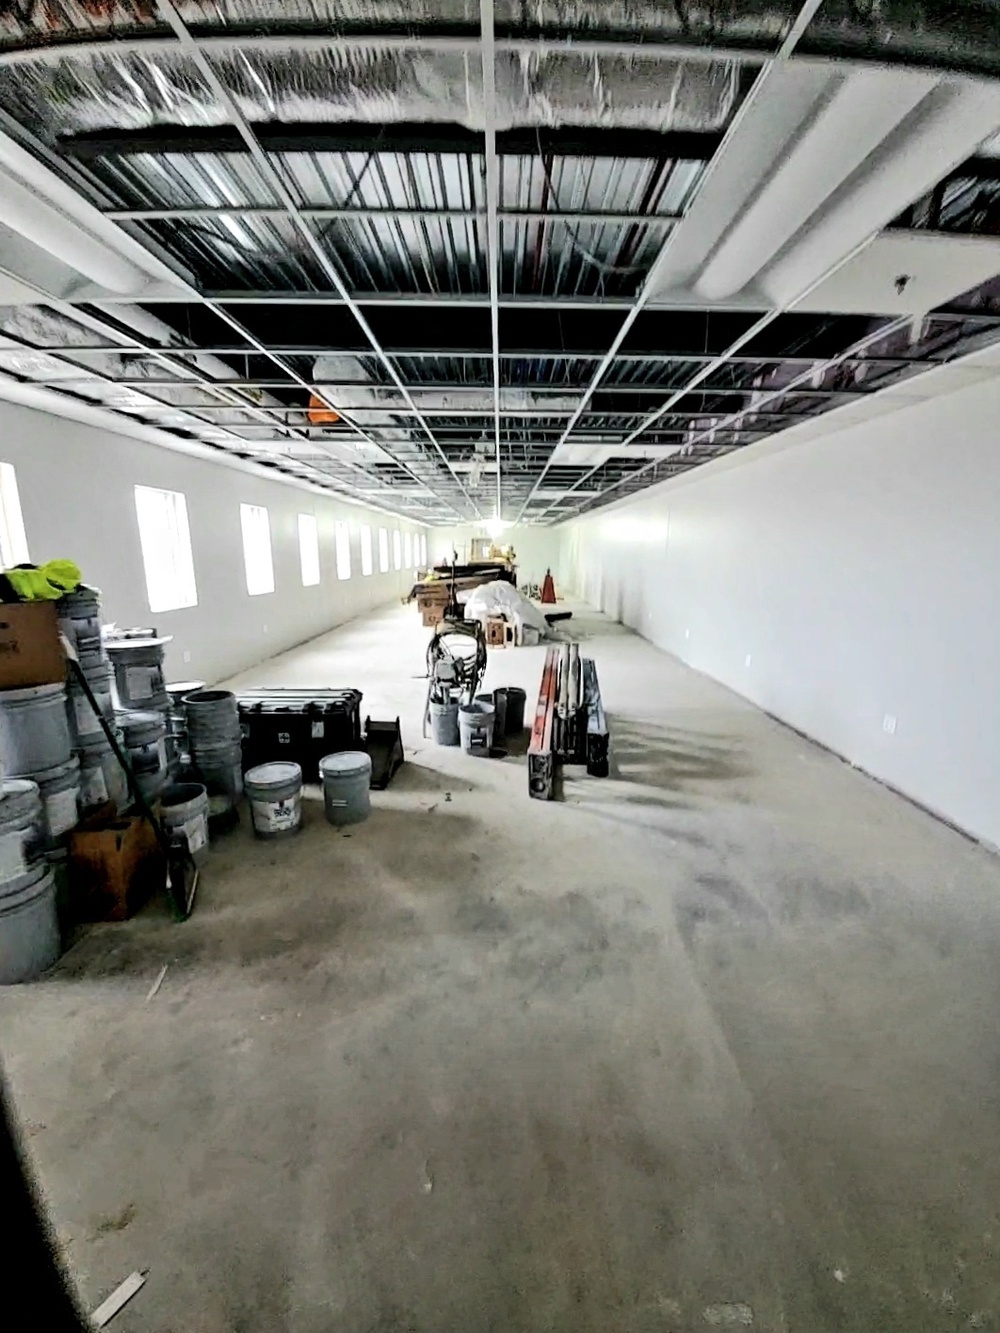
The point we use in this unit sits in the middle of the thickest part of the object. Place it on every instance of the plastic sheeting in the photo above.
(503, 599)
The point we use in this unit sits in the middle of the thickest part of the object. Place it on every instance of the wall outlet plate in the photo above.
(187, 654)
(889, 724)
(749, 659)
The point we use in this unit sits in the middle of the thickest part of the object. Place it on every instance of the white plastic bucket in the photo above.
(29, 927)
(275, 795)
(145, 739)
(22, 829)
(60, 792)
(184, 812)
(34, 730)
(101, 775)
(444, 722)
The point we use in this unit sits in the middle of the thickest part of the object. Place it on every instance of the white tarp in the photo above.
(503, 599)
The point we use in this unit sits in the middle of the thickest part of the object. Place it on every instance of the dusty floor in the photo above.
(711, 1042)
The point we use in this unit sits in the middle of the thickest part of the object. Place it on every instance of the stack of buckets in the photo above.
(216, 741)
(144, 708)
(100, 776)
(40, 728)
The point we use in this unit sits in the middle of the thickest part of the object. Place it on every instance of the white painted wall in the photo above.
(537, 548)
(76, 485)
(839, 584)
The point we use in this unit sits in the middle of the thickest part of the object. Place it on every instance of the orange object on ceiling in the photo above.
(320, 414)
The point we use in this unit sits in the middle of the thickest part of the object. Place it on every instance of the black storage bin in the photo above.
(298, 725)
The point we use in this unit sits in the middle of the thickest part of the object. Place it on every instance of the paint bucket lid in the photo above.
(183, 688)
(278, 774)
(346, 764)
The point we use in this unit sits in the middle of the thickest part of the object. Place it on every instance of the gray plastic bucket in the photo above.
(475, 725)
(346, 778)
(444, 722)
(83, 721)
(514, 718)
(275, 795)
(220, 767)
(101, 775)
(22, 829)
(145, 740)
(212, 718)
(79, 615)
(34, 729)
(184, 812)
(138, 668)
(29, 927)
(60, 792)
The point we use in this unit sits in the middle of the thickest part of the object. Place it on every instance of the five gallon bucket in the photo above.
(184, 812)
(101, 775)
(514, 716)
(145, 740)
(346, 778)
(34, 730)
(213, 725)
(60, 792)
(79, 615)
(275, 795)
(138, 667)
(22, 830)
(499, 701)
(475, 724)
(444, 722)
(83, 721)
(29, 926)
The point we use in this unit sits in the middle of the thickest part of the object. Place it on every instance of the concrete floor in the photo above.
(711, 1043)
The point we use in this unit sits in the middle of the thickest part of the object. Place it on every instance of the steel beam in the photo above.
(332, 213)
(391, 137)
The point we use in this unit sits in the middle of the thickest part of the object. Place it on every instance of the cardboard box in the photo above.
(115, 865)
(30, 650)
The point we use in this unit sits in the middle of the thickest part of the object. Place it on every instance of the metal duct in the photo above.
(86, 91)
(753, 24)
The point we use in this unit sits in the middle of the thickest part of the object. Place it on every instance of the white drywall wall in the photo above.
(537, 549)
(76, 487)
(850, 585)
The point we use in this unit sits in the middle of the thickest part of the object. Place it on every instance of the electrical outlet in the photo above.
(889, 724)
(749, 658)
(264, 628)
(687, 634)
(187, 654)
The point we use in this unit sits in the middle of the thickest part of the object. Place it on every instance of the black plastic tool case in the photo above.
(298, 725)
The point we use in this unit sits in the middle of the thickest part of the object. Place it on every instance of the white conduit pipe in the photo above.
(847, 126)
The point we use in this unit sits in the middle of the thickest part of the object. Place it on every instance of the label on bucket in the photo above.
(151, 758)
(277, 816)
(61, 812)
(93, 788)
(316, 729)
(13, 856)
(195, 832)
(142, 682)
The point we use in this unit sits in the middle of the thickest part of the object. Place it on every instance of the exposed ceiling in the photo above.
(461, 257)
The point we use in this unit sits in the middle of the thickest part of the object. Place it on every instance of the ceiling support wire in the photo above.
(193, 48)
(795, 32)
(492, 167)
